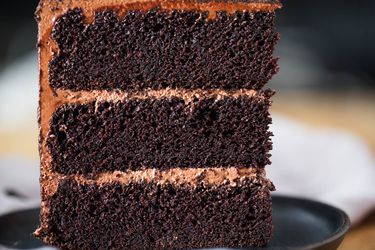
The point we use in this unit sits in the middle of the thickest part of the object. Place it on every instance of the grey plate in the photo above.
(299, 224)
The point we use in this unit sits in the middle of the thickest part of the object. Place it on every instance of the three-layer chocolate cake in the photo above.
(154, 123)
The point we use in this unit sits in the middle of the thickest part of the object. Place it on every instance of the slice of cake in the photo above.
(154, 123)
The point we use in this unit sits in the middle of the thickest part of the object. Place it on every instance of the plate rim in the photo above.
(307, 202)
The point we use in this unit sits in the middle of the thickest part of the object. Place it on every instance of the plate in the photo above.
(299, 224)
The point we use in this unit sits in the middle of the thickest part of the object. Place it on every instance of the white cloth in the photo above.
(19, 177)
(327, 165)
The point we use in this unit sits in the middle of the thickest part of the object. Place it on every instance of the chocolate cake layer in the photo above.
(149, 216)
(157, 49)
(161, 133)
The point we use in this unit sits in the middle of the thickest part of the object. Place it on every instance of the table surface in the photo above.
(354, 112)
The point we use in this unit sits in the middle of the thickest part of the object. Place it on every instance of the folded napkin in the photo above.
(327, 165)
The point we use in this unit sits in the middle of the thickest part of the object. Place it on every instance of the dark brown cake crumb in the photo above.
(160, 133)
(158, 49)
(149, 216)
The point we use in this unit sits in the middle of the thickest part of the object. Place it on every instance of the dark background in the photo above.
(324, 45)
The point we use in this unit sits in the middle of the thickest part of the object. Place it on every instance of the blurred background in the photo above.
(326, 81)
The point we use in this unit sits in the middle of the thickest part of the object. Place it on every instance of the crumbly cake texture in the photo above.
(162, 133)
(158, 49)
(149, 216)
(154, 123)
